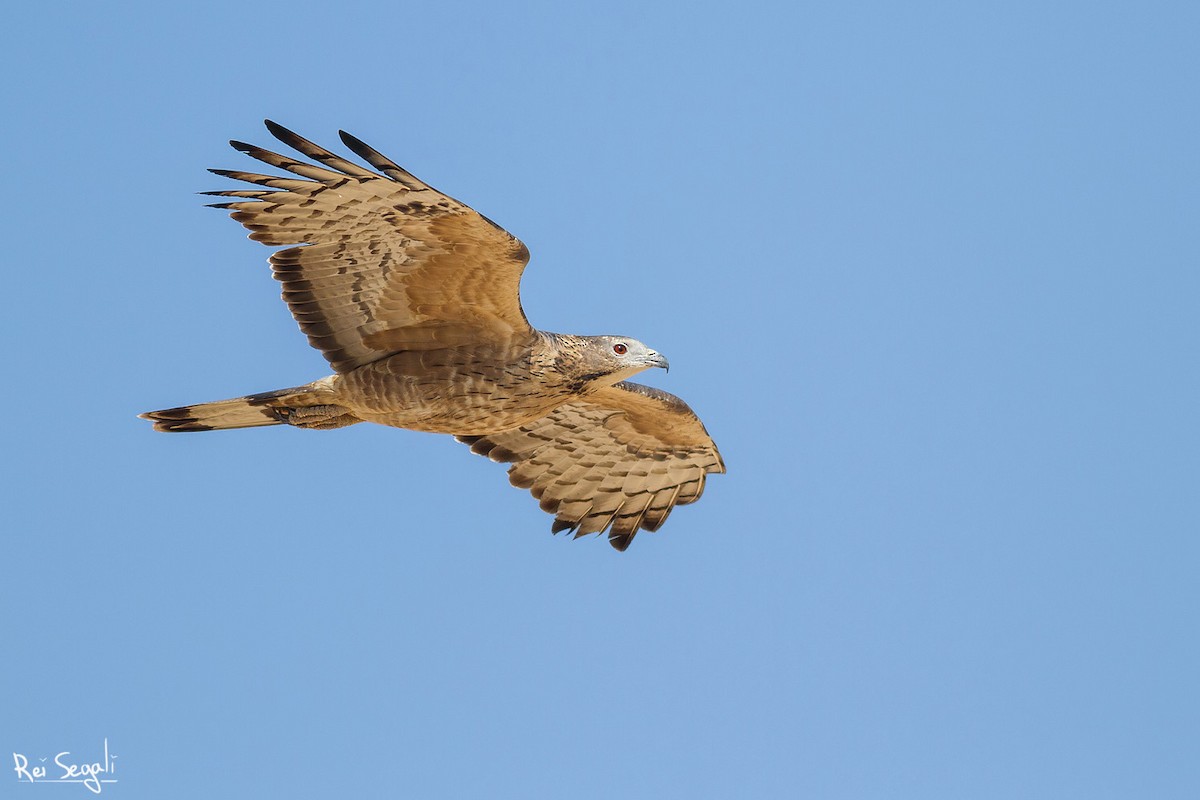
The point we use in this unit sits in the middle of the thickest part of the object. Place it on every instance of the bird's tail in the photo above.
(307, 406)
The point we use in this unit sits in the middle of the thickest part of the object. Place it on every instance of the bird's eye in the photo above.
(620, 349)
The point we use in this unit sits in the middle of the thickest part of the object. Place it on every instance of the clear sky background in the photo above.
(929, 272)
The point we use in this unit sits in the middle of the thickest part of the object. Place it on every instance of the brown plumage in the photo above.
(413, 298)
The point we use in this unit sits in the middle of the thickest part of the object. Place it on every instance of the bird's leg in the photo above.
(319, 417)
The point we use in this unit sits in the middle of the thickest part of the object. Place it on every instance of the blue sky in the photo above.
(927, 271)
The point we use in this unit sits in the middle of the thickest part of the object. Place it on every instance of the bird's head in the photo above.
(615, 358)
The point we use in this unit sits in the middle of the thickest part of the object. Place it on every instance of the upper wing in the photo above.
(619, 458)
(385, 263)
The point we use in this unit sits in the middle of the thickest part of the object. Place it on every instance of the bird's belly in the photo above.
(464, 404)
(460, 419)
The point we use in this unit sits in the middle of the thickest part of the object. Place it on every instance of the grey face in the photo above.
(626, 357)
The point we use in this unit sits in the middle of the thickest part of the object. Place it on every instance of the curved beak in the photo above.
(657, 360)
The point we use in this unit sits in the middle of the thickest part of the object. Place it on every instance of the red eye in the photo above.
(620, 349)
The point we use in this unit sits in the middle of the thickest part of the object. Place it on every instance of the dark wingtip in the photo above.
(620, 541)
(279, 132)
(241, 147)
(561, 525)
(360, 148)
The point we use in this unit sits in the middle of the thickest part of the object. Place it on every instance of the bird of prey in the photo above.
(413, 298)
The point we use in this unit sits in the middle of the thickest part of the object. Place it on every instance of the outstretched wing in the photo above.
(385, 263)
(619, 459)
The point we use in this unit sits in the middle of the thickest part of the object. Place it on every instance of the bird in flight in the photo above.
(413, 298)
